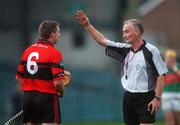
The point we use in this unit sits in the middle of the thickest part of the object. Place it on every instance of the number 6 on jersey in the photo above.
(32, 66)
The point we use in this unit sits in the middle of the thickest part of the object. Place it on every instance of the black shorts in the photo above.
(40, 107)
(135, 108)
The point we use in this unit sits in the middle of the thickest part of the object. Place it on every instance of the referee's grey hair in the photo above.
(137, 23)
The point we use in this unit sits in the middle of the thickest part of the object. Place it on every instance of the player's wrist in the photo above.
(61, 94)
(158, 98)
(61, 89)
(86, 24)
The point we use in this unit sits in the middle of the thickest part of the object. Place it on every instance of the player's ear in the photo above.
(137, 32)
(52, 35)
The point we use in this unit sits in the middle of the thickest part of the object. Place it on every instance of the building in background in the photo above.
(161, 21)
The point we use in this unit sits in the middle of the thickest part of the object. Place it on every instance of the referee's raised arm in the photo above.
(84, 21)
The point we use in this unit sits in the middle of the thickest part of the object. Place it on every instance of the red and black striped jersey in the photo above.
(40, 65)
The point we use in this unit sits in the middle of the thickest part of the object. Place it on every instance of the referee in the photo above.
(41, 73)
(141, 73)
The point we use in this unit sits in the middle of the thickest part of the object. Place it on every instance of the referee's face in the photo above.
(130, 33)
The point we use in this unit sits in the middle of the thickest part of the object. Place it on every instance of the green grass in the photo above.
(97, 123)
(102, 123)
(93, 123)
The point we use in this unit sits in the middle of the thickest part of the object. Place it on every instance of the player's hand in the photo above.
(67, 78)
(61, 94)
(178, 73)
(59, 86)
(82, 18)
(153, 106)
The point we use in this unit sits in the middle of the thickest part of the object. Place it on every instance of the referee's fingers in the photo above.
(153, 109)
(156, 109)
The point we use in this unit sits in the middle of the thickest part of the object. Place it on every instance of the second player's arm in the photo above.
(84, 21)
(155, 103)
(97, 36)
(159, 85)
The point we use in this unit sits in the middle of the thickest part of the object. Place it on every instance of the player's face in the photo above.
(130, 33)
(170, 62)
(57, 35)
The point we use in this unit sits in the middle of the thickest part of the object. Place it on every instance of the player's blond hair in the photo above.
(170, 54)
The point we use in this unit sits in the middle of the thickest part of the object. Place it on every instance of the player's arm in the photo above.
(159, 85)
(171, 78)
(84, 21)
(178, 72)
(19, 80)
(162, 71)
(20, 70)
(57, 70)
(155, 103)
(59, 85)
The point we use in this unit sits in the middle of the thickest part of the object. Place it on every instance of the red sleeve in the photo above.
(57, 65)
(171, 78)
(20, 69)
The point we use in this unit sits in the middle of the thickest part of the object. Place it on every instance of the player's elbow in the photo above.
(160, 79)
(19, 80)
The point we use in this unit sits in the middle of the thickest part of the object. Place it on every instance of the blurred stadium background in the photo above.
(95, 96)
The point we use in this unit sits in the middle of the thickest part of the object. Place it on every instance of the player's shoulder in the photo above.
(56, 52)
(152, 48)
(29, 48)
(111, 43)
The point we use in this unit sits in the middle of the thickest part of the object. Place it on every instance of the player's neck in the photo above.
(137, 44)
(51, 40)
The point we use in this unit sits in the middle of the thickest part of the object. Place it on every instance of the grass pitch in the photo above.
(103, 123)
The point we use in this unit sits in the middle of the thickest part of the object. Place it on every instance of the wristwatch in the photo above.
(158, 97)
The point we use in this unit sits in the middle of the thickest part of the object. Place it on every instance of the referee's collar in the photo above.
(43, 41)
(140, 48)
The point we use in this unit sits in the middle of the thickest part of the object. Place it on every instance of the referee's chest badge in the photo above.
(138, 67)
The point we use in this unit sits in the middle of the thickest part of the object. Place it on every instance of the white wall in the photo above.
(91, 55)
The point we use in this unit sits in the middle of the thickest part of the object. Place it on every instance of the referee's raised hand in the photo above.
(82, 18)
(95, 34)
